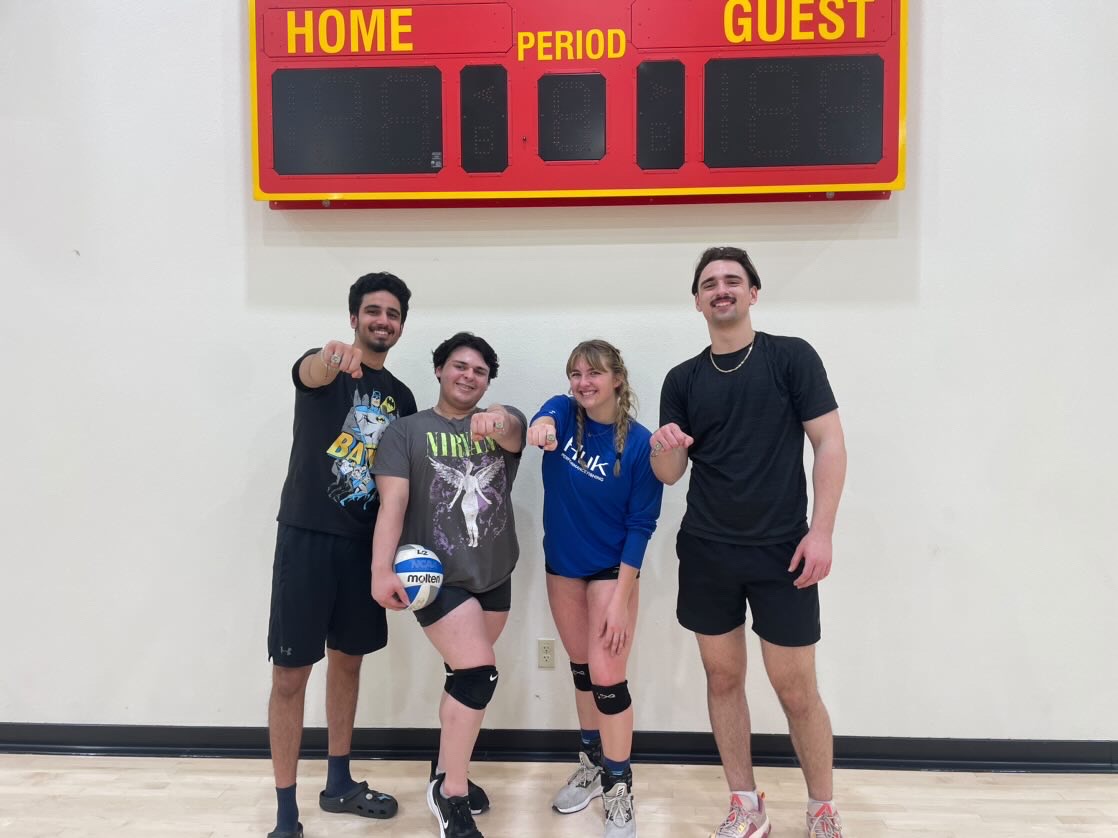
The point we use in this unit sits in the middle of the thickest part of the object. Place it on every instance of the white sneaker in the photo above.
(620, 813)
(582, 786)
(744, 822)
(825, 823)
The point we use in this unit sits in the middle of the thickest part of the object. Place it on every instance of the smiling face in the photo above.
(463, 380)
(724, 294)
(594, 389)
(378, 324)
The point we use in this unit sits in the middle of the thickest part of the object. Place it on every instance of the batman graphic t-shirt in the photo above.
(330, 485)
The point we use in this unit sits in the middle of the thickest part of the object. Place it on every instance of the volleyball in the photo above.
(421, 574)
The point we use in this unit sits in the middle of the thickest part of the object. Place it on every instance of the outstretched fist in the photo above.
(542, 435)
(488, 423)
(343, 357)
(668, 438)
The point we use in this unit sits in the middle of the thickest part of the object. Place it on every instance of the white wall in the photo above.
(151, 312)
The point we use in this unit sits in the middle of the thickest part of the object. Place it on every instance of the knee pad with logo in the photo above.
(474, 687)
(613, 699)
(581, 674)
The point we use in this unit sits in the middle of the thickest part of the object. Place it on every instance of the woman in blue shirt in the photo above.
(601, 502)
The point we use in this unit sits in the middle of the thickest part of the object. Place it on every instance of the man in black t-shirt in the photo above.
(321, 583)
(739, 411)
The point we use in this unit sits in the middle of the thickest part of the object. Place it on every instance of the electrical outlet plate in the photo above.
(545, 653)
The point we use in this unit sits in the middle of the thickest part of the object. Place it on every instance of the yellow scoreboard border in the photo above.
(897, 183)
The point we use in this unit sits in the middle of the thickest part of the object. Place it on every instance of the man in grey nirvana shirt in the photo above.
(445, 480)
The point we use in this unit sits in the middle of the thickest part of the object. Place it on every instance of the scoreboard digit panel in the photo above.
(357, 121)
(520, 100)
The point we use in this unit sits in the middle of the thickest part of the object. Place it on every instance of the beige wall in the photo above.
(152, 311)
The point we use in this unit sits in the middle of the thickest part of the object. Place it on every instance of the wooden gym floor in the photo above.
(97, 797)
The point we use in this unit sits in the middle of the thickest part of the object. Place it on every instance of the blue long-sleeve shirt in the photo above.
(592, 520)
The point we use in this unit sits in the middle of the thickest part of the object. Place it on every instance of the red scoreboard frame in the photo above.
(527, 101)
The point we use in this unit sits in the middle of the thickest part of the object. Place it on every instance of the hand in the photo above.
(492, 423)
(613, 630)
(348, 357)
(668, 438)
(388, 590)
(814, 550)
(542, 435)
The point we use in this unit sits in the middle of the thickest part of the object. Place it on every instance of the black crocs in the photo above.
(362, 801)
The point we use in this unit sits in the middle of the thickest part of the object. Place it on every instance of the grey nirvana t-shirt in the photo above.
(459, 495)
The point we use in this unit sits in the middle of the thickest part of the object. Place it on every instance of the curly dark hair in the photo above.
(443, 350)
(382, 281)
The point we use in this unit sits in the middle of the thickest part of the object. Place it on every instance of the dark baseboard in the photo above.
(896, 753)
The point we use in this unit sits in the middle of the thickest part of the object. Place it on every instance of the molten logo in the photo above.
(423, 578)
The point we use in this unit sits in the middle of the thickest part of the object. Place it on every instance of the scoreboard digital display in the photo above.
(435, 101)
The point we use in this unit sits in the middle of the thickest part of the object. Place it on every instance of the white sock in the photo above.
(749, 797)
(814, 806)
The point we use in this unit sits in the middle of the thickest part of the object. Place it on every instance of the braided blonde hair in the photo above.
(605, 357)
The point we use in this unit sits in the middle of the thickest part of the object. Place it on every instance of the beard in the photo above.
(378, 344)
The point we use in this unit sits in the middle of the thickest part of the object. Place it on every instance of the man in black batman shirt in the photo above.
(344, 400)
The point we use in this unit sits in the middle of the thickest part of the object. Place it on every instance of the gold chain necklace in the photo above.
(710, 354)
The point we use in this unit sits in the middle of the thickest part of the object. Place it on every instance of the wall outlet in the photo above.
(545, 653)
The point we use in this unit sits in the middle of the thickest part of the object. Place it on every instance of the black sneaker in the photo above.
(479, 800)
(297, 832)
(453, 813)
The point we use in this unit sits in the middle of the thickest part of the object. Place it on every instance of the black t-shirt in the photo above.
(747, 462)
(330, 485)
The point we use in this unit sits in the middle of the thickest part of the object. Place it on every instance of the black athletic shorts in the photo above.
(717, 580)
(610, 573)
(450, 597)
(322, 596)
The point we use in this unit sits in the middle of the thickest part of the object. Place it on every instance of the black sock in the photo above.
(616, 772)
(287, 810)
(593, 750)
(338, 779)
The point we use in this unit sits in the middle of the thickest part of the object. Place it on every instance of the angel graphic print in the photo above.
(469, 486)
(459, 496)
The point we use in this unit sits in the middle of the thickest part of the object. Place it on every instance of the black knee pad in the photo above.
(449, 677)
(474, 687)
(613, 699)
(581, 673)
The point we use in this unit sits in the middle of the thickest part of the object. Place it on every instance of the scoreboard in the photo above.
(525, 101)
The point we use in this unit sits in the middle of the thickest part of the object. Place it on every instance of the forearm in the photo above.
(828, 475)
(626, 582)
(669, 464)
(315, 372)
(386, 537)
